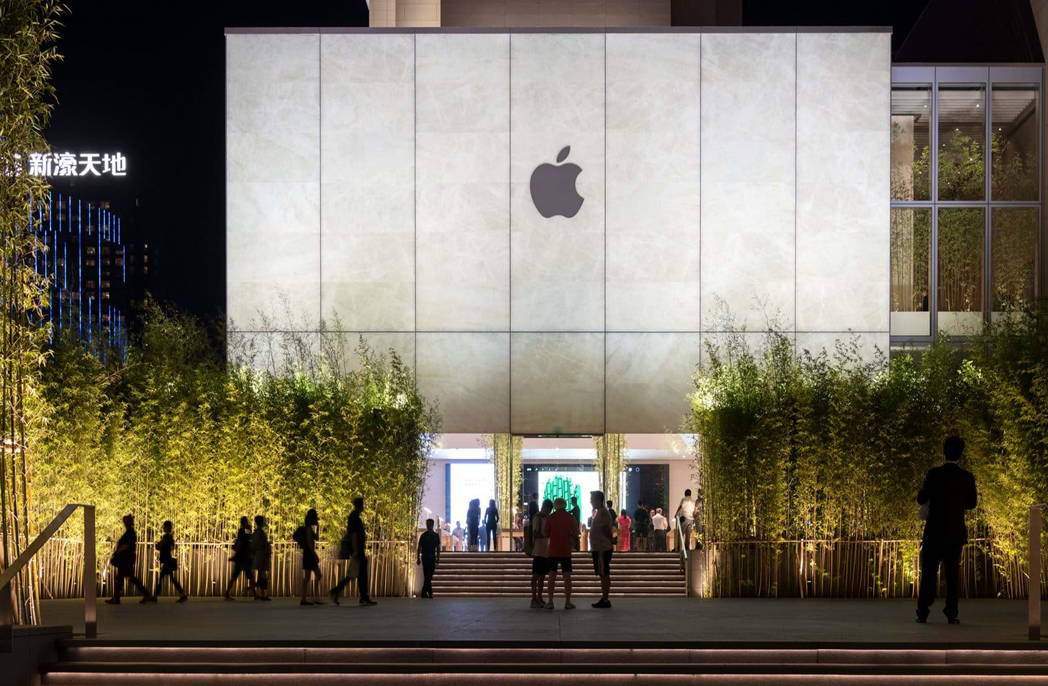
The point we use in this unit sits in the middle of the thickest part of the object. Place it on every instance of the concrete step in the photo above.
(90, 663)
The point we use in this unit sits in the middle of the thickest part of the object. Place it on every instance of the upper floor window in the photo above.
(966, 219)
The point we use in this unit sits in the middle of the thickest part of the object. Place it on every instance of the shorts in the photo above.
(310, 561)
(169, 567)
(601, 562)
(538, 565)
(563, 562)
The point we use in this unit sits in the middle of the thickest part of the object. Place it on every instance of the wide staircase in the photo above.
(633, 575)
(127, 663)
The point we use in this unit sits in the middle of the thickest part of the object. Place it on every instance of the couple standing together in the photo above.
(554, 531)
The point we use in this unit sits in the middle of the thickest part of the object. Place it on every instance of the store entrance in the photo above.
(519, 472)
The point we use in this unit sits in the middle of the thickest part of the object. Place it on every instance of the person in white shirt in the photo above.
(601, 543)
(539, 553)
(456, 536)
(660, 524)
(686, 516)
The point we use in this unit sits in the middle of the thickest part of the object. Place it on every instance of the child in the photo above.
(168, 564)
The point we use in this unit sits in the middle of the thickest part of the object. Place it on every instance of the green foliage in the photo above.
(506, 453)
(28, 31)
(611, 463)
(177, 433)
(820, 447)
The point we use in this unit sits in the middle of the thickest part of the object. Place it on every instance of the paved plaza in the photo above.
(632, 620)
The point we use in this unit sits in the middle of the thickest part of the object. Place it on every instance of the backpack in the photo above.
(299, 537)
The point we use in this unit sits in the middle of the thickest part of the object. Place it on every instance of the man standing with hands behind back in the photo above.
(948, 491)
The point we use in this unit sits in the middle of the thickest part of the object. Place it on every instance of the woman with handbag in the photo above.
(306, 538)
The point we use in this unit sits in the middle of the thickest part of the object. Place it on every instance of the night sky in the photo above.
(146, 79)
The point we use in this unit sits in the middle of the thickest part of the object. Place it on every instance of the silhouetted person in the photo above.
(539, 552)
(261, 558)
(685, 515)
(491, 523)
(168, 564)
(306, 538)
(533, 506)
(359, 562)
(641, 522)
(473, 525)
(123, 559)
(241, 558)
(576, 512)
(529, 531)
(428, 555)
(948, 491)
(614, 525)
(601, 544)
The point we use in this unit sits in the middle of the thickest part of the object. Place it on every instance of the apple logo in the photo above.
(553, 187)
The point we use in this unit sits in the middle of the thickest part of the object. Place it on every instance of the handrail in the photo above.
(12, 570)
(1034, 591)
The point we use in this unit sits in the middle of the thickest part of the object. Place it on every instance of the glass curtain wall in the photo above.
(966, 197)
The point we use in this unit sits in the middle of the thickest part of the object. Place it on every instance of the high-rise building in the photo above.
(96, 278)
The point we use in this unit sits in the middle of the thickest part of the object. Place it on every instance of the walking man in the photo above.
(124, 558)
(685, 516)
(562, 529)
(241, 559)
(358, 566)
(168, 564)
(948, 491)
(601, 544)
(539, 552)
(660, 525)
(428, 555)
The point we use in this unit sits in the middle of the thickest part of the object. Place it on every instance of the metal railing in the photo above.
(12, 570)
(1034, 591)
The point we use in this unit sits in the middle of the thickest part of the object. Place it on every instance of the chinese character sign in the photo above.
(72, 164)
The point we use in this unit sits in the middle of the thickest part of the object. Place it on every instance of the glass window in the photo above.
(1013, 257)
(962, 233)
(911, 243)
(911, 139)
(1013, 175)
(962, 133)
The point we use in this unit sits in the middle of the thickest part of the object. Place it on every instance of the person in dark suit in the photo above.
(948, 491)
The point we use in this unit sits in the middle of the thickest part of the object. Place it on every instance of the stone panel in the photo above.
(843, 157)
(557, 383)
(367, 195)
(649, 377)
(653, 182)
(272, 177)
(748, 156)
(462, 180)
(468, 375)
(557, 101)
